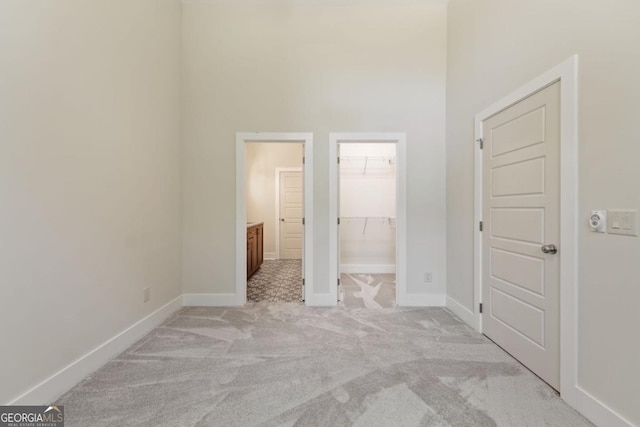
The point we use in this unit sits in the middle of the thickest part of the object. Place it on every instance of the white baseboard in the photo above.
(461, 311)
(321, 300)
(596, 411)
(63, 380)
(270, 256)
(211, 300)
(421, 300)
(368, 268)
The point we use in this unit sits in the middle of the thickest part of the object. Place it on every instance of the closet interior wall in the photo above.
(367, 207)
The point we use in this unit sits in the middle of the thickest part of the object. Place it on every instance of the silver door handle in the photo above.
(549, 249)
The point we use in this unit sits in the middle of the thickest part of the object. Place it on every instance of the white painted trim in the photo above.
(66, 378)
(368, 268)
(422, 300)
(460, 310)
(210, 300)
(270, 256)
(477, 237)
(277, 220)
(596, 411)
(567, 74)
(241, 206)
(400, 139)
(320, 300)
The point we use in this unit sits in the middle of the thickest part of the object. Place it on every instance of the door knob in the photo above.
(281, 219)
(549, 249)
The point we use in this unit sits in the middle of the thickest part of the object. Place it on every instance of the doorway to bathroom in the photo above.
(275, 213)
(273, 207)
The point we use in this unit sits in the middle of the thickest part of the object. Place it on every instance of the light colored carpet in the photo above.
(368, 290)
(287, 364)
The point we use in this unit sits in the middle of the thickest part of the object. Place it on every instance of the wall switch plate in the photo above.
(428, 277)
(623, 222)
(147, 294)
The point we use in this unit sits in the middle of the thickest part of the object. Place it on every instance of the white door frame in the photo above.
(242, 138)
(567, 74)
(277, 224)
(401, 207)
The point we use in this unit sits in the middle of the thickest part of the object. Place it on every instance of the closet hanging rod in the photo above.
(390, 160)
(387, 158)
(368, 217)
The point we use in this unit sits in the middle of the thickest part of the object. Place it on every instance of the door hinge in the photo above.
(338, 221)
(338, 281)
(338, 160)
(303, 160)
(302, 221)
(480, 308)
(481, 142)
(303, 281)
(480, 226)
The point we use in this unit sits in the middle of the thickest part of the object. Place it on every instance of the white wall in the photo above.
(316, 66)
(89, 176)
(495, 46)
(367, 206)
(262, 161)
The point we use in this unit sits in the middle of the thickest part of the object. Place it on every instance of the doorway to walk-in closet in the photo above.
(275, 215)
(367, 224)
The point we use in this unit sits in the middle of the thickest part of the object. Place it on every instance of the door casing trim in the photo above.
(400, 139)
(242, 138)
(567, 74)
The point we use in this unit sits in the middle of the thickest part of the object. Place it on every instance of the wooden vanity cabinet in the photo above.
(255, 245)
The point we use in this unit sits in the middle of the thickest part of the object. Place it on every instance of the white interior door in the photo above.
(291, 213)
(521, 218)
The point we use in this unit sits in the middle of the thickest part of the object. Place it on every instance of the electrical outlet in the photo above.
(428, 277)
(147, 294)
